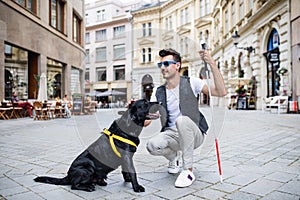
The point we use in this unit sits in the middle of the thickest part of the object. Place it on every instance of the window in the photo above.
(87, 74)
(86, 18)
(101, 73)
(57, 14)
(119, 31)
(226, 21)
(149, 29)
(144, 55)
(232, 14)
(87, 51)
(100, 54)
(28, 4)
(100, 35)
(119, 51)
(186, 45)
(149, 54)
(241, 9)
(170, 22)
(201, 8)
(167, 24)
(251, 4)
(182, 46)
(207, 8)
(101, 15)
(181, 17)
(119, 72)
(207, 37)
(145, 29)
(201, 38)
(76, 28)
(87, 38)
(186, 15)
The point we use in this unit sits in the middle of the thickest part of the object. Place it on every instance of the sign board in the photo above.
(77, 104)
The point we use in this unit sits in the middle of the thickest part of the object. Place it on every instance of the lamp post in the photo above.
(236, 37)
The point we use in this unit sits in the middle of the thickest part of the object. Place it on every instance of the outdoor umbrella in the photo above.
(93, 93)
(238, 81)
(110, 93)
(42, 95)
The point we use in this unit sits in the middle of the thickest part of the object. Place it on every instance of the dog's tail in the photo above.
(52, 180)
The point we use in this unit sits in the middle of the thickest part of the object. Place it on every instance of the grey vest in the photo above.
(188, 104)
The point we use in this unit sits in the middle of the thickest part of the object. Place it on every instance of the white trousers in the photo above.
(185, 137)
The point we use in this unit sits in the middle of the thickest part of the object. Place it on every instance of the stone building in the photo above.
(41, 37)
(109, 49)
(267, 50)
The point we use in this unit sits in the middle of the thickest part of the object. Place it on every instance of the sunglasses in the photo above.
(166, 63)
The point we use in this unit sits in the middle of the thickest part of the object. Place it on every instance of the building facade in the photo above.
(41, 37)
(109, 49)
(267, 52)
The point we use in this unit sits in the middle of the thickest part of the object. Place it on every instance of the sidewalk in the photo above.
(259, 154)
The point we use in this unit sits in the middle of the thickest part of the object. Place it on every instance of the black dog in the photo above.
(112, 149)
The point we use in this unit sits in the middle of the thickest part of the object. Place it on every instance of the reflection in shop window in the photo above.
(54, 79)
(16, 72)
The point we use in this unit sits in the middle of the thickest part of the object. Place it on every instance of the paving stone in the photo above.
(26, 195)
(210, 194)
(280, 195)
(281, 176)
(238, 195)
(225, 187)
(291, 187)
(262, 187)
(60, 194)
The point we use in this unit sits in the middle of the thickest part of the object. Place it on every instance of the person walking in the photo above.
(183, 125)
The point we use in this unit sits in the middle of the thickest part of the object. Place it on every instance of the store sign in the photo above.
(273, 57)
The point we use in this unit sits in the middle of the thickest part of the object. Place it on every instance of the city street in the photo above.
(259, 151)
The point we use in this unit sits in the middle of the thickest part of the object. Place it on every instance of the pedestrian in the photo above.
(67, 105)
(23, 104)
(183, 125)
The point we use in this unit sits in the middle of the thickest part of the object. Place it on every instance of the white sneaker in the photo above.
(185, 179)
(175, 165)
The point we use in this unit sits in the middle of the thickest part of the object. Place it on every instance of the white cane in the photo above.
(204, 47)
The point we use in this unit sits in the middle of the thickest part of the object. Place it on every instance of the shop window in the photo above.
(57, 14)
(16, 72)
(75, 81)
(54, 79)
(273, 64)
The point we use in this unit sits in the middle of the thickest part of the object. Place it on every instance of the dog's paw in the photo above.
(101, 182)
(139, 188)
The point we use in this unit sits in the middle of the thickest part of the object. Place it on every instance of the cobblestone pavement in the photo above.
(259, 155)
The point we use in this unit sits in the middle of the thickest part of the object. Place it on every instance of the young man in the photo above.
(183, 126)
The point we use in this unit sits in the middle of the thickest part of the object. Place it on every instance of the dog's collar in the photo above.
(112, 144)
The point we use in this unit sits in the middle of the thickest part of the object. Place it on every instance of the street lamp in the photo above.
(236, 37)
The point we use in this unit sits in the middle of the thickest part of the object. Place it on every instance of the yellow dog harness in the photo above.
(112, 144)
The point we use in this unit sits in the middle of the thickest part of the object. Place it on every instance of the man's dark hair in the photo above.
(175, 54)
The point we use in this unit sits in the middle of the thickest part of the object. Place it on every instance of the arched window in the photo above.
(273, 41)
